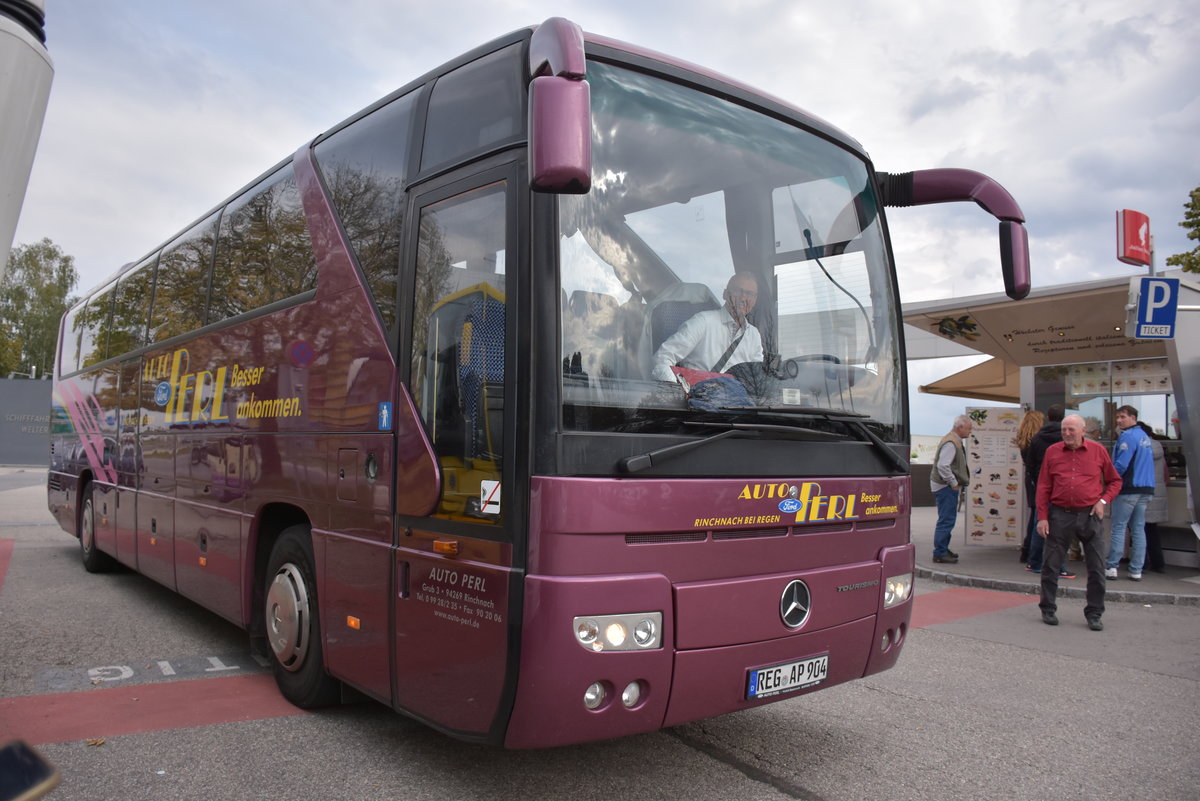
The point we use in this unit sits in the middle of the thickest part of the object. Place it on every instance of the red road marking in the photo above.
(132, 709)
(6, 549)
(956, 603)
(137, 708)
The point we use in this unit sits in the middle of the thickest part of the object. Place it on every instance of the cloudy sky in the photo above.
(159, 110)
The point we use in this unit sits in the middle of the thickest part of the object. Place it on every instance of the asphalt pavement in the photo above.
(998, 567)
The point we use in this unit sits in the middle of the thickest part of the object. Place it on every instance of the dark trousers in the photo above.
(1066, 524)
(1154, 553)
(1036, 544)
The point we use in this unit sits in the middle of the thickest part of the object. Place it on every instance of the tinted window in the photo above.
(477, 105)
(93, 329)
(69, 358)
(458, 346)
(365, 168)
(263, 252)
(131, 308)
(181, 293)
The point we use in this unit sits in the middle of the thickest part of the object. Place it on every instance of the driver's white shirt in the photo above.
(700, 342)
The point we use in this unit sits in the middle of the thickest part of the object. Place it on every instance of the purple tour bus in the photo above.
(426, 411)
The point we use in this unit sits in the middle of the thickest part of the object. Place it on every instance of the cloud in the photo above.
(159, 111)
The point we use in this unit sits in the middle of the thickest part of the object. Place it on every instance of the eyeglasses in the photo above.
(743, 293)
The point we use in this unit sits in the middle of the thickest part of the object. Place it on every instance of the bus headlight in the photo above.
(636, 632)
(897, 589)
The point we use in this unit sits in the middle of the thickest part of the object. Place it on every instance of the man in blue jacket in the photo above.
(1133, 457)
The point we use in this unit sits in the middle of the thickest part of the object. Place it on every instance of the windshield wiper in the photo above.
(852, 420)
(768, 428)
(856, 424)
(635, 464)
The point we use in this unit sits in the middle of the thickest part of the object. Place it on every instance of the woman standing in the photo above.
(1030, 424)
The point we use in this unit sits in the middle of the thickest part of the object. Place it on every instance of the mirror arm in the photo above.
(556, 48)
(949, 185)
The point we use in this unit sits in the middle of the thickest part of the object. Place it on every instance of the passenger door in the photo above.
(454, 567)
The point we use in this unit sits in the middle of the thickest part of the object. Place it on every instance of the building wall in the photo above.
(24, 422)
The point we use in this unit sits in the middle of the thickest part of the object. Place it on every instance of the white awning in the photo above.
(993, 380)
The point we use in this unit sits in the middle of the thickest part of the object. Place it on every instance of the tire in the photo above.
(94, 560)
(292, 622)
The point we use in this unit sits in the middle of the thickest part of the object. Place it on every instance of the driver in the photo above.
(713, 340)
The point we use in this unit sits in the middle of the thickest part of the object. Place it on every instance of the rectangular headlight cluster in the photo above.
(636, 632)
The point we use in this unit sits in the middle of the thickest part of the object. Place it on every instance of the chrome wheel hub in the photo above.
(287, 617)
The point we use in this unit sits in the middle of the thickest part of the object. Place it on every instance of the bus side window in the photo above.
(264, 253)
(475, 108)
(93, 341)
(365, 167)
(181, 296)
(459, 324)
(68, 358)
(131, 308)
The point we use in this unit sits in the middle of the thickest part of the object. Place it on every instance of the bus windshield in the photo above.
(701, 212)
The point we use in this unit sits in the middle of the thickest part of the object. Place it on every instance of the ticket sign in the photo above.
(1133, 237)
(1153, 303)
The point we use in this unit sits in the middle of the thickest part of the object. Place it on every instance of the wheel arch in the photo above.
(270, 521)
(82, 481)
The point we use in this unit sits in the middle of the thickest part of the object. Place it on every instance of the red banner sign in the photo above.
(1133, 237)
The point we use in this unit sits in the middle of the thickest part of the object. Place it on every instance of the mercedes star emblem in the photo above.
(794, 604)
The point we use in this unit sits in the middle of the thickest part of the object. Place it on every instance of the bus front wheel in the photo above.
(94, 560)
(293, 623)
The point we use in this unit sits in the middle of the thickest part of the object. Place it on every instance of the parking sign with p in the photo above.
(1155, 301)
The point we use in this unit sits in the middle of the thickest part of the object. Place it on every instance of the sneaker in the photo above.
(1049, 618)
(948, 559)
(1110, 573)
(1064, 573)
(1094, 624)
(1135, 576)
(1030, 569)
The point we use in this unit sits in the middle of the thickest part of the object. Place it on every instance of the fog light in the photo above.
(593, 696)
(887, 638)
(632, 694)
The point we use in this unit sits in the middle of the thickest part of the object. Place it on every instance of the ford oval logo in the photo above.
(795, 604)
(789, 506)
(162, 393)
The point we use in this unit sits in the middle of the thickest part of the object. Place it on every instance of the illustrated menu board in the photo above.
(1143, 377)
(995, 506)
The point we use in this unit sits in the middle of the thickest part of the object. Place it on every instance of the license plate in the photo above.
(769, 681)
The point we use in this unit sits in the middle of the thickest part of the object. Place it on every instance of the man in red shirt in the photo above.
(1074, 488)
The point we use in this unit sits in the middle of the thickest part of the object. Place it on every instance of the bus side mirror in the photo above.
(560, 110)
(1014, 258)
(560, 135)
(950, 185)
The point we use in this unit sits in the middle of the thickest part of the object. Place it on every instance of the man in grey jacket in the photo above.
(946, 480)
